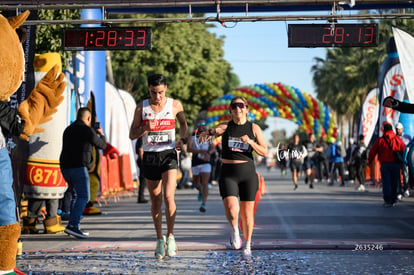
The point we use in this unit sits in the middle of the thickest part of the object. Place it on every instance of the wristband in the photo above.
(184, 140)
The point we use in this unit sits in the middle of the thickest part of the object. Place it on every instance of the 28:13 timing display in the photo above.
(337, 35)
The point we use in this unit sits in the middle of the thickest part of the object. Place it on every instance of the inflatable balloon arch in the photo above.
(278, 100)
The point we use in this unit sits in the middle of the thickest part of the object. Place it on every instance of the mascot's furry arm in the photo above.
(42, 102)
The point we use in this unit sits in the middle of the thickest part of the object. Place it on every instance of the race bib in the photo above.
(235, 144)
(158, 138)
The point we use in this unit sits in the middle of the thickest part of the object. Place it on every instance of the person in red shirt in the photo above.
(390, 168)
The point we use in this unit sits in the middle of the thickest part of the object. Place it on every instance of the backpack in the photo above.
(360, 154)
(337, 152)
(364, 154)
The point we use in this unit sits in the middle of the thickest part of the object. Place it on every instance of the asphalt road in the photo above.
(325, 230)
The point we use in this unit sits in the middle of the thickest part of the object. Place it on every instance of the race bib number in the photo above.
(157, 138)
(235, 144)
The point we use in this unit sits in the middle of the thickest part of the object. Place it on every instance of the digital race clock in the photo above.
(336, 35)
(95, 39)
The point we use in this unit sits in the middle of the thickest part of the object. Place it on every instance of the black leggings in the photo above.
(239, 180)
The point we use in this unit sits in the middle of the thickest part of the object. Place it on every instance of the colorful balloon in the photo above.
(278, 100)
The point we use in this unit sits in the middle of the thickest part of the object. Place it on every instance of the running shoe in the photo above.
(296, 187)
(388, 205)
(407, 193)
(235, 242)
(160, 250)
(203, 208)
(247, 253)
(361, 188)
(171, 247)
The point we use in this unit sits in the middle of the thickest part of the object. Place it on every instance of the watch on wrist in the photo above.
(395, 103)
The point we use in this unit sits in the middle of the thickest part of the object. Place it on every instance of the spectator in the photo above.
(402, 107)
(185, 168)
(142, 183)
(75, 161)
(336, 153)
(384, 147)
(406, 138)
(322, 163)
(348, 159)
(403, 186)
(358, 161)
(216, 163)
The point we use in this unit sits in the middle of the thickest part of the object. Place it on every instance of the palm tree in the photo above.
(345, 76)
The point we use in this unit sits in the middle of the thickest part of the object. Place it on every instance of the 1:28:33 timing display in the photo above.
(95, 39)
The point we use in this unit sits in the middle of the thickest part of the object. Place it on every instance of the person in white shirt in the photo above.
(154, 120)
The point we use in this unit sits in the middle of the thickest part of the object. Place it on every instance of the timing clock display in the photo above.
(337, 35)
(95, 39)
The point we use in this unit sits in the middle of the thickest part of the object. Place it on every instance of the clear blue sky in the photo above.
(259, 53)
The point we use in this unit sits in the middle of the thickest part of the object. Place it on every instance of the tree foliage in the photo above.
(49, 37)
(189, 56)
(344, 77)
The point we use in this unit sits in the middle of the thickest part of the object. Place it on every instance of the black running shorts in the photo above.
(156, 163)
(296, 164)
(239, 180)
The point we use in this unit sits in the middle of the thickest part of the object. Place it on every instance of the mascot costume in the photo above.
(44, 184)
(37, 109)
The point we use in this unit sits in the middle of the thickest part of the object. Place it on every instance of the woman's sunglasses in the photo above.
(201, 124)
(234, 105)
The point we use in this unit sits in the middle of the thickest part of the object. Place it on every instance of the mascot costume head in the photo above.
(38, 108)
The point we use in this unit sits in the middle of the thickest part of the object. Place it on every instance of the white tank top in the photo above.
(204, 146)
(163, 136)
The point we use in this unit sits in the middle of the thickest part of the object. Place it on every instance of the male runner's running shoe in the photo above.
(160, 250)
(171, 247)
